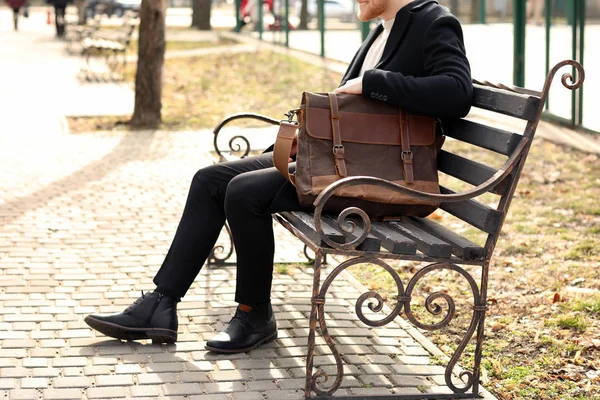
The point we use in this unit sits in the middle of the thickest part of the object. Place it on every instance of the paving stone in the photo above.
(144, 391)
(35, 362)
(285, 394)
(17, 372)
(62, 394)
(45, 372)
(69, 362)
(164, 367)
(98, 370)
(375, 369)
(24, 394)
(114, 380)
(408, 380)
(210, 397)
(173, 389)
(371, 391)
(194, 376)
(272, 373)
(34, 383)
(7, 383)
(234, 375)
(72, 382)
(128, 369)
(153, 379)
(375, 380)
(224, 387)
(105, 392)
(418, 369)
(247, 396)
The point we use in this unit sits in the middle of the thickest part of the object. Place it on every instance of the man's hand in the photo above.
(353, 86)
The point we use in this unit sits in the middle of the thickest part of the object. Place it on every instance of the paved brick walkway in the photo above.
(84, 223)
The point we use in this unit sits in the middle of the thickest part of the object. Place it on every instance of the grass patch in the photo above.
(583, 250)
(590, 306)
(574, 322)
(282, 269)
(184, 45)
(199, 92)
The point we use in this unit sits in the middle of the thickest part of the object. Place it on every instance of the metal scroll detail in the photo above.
(435, 309)
(346, 225)
(374, 301)
(218, 255)
(238, 143)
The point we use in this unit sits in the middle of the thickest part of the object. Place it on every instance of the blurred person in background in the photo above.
(534, 11)
(16, 7)
(60, 7)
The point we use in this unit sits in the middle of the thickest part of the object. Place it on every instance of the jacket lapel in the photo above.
(354, 67)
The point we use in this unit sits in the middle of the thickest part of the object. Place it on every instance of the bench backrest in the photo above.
(515, 102)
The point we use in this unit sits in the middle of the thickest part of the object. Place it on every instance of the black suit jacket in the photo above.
(424, 68)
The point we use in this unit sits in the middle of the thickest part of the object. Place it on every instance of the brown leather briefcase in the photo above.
(342, 135)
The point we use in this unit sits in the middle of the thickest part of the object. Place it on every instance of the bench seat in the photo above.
(411, 238)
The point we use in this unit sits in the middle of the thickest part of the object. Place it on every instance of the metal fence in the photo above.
(508, 41)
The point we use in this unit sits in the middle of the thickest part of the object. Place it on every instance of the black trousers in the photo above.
(245, 193)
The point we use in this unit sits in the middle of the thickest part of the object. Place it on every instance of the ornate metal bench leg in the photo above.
(311, 260)
(312, 323)
(218, 256)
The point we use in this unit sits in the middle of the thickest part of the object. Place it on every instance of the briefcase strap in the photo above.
(283, 148)
(407, 154)
(338, 147)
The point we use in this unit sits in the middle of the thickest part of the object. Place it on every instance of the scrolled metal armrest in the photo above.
(234, 117)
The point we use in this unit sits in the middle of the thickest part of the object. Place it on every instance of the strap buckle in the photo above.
(407, 155)
(338, 150)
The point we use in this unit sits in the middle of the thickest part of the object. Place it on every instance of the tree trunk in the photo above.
(475, 11)
(303, 24)
(201, 14)
(151, 55)
(82, 15)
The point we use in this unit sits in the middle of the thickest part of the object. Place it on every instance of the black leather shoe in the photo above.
(152, 316)
(246, 331)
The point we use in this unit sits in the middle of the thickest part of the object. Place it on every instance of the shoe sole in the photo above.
(267, 339)
(125, 333)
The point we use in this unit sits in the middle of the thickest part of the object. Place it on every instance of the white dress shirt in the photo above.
(376, 50)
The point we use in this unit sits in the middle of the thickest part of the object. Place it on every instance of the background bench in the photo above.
(356, 238)
(111, 46)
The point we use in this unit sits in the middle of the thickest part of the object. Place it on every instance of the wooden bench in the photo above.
(425, 240)
(110, 46)
(76, 33)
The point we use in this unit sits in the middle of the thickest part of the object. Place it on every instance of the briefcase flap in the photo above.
(364, 121)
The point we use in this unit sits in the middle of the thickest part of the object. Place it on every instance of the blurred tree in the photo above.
(201, 14)
(474, 11)
(151, 55)
(81, 12)
(303, 24)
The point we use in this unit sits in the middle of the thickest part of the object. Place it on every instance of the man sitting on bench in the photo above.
(414, 59)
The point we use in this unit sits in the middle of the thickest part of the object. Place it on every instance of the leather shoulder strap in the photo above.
(283, 148)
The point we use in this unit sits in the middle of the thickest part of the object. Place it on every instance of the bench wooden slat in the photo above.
(304, 222)
(473, 212)
(371, 243)
(484, 136)
(461, 247)
(514, 104)
(468, 171)
(426, 243)
(393, 241)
